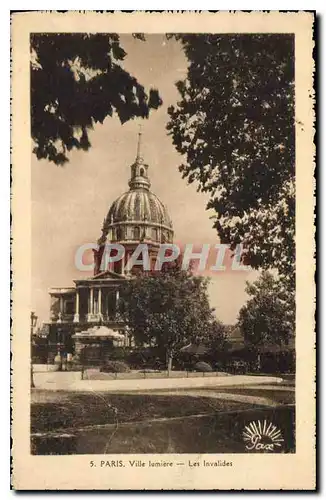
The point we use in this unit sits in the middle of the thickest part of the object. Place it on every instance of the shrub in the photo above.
(202, 366)
(118, 354)
(115, 367)
(239, 366)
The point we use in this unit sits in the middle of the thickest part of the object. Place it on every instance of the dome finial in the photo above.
(139, 142)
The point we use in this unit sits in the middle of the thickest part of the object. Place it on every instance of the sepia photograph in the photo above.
(163, 313)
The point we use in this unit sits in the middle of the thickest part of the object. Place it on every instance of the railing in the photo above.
(89, 373)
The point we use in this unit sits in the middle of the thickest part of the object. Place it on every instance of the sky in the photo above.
(69, 203)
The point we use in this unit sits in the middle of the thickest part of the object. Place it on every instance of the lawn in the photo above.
(66, 410)
(85, 423)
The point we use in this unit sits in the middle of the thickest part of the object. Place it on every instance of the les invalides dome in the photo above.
(138, 215)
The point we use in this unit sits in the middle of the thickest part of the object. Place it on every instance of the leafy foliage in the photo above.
(76, 81)
(235, 127)
(215, 337)
(168, 309)
(269, 315)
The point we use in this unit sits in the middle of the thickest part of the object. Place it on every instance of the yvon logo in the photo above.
(262, 436)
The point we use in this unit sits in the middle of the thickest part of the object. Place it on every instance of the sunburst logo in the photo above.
(262, 436)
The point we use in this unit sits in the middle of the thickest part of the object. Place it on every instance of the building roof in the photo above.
(139, 205)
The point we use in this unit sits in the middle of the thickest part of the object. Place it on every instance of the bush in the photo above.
(115, 367)
(238, 367)
(202, 366)
(118, 354)
(135, 360)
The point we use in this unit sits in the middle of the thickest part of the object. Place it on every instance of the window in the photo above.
(111, 303)
(154, 233)
(141, 172)
(136, 233)
(153, 262)
(119, 233)
(69, 307)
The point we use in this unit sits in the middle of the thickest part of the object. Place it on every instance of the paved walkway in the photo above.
(71, 381)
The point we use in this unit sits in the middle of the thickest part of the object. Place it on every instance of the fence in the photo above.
(94, 373)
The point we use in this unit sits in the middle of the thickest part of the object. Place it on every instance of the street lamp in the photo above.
(33, 325)
(33, 322)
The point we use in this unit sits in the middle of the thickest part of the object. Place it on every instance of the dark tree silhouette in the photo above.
(235, 126)
(76, 81)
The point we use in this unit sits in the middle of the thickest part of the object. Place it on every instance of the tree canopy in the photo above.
(234, 124)
(269, 315)
(215, 337)
(77, 80)
(168, 309)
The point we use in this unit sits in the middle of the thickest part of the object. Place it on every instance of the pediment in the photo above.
(105, 275)
(108, 275)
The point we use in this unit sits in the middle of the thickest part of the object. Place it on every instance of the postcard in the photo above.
(163, 243)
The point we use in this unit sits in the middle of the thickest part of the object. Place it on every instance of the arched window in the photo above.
(118, 267)
(152, 263)
(136, 233)
(141, 172)
(154, 233)
(119, 233)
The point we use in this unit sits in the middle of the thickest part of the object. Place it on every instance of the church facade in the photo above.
(137, 216)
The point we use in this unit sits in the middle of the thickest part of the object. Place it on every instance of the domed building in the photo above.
(86, 311)
(137, 216)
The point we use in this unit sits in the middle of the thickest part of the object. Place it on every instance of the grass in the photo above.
(62, 411)
(189, 425)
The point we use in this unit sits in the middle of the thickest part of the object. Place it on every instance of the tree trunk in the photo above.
(170, 358)
(32, 376)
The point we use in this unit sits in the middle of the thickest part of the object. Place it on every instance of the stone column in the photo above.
(100, 302)
(90, 315)
(76, 317)
(60, 310)
(117, 296)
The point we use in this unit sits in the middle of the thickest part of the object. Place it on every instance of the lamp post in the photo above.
(33, 325)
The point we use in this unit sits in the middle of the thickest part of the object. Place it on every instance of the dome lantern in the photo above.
(139, 170)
